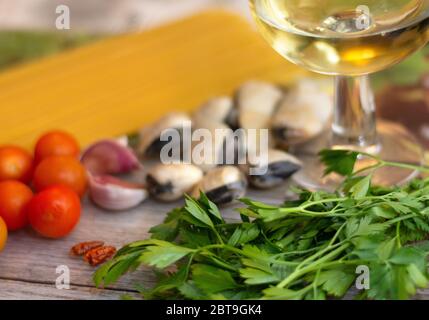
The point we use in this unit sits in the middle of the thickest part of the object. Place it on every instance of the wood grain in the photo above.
(29, 257)
(18, 290)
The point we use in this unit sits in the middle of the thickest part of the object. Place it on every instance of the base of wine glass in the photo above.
(395, 144)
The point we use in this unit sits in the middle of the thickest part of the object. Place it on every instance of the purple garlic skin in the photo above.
(109, 157)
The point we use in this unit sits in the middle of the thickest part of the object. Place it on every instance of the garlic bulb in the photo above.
(109, 157)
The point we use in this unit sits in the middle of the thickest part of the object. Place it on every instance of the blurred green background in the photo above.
(20, 46)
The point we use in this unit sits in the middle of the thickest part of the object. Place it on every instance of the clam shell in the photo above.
(222, 185)
(278, 167)
(256, 102)
(169, 182)
(302, 114)
(220, 149)
(217, 110)
(150, 143)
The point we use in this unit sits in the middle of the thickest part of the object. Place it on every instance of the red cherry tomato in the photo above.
(3, 234)
(15, 164)
(56, 143)
(54, 212)
(14, 197)
(63, 170)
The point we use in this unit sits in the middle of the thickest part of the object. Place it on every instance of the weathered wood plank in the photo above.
(422, 295)
(33, 258)
(17, 290)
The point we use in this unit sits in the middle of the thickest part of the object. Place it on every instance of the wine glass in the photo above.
(349, 39)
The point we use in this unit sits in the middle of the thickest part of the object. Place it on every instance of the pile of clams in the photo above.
(292, 116)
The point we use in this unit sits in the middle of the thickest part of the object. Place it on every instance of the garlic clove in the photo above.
(113, 194)
(109, 157)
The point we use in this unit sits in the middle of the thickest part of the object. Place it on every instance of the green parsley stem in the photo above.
(398, 234)
(318, 254)
(406, 166)
(373, 167)
(315, 282)
(299, 272)
(297, 252)
(398, 219)
(217, 235)
(244, 253)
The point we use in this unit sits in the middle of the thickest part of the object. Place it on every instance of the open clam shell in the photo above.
(256, 102)
(217, 110)
(169, 182)
(216, 144)
(222, 185)
(272, 170)
(150, 137)
(303, 114)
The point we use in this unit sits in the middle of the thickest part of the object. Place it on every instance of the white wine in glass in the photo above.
(349, 39)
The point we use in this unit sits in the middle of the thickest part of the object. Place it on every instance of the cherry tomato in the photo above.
(15, 164)
(54, 212)
(63, 170)
(3, 234)
(14, 197)
(56, 143)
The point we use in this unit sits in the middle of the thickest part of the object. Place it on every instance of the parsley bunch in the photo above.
(308, 248)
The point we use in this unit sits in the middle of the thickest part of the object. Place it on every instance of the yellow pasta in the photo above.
(120, 84)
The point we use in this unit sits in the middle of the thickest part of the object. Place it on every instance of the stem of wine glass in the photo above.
(354, 125)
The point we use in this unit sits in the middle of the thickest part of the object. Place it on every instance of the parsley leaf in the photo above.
(162, 256)
(339, 161)
(211, 279)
